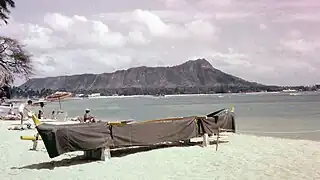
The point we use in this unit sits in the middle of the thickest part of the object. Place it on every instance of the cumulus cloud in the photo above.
(300, 45)
(260, 41)
(137, 38)
(58, 22)
(295, 41)
(155, 25)
(201, 29)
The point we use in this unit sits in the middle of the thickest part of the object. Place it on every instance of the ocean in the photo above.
(267, 114)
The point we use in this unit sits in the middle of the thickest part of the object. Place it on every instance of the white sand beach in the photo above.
(243, 157)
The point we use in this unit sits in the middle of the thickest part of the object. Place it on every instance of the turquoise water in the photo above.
(261, 114)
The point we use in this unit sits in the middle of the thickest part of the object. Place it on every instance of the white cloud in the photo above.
(80, 18)
(263, 27)
(306, 17)
(39, 37)
(58, 22)
(137, 37)
(201, 29)
(231, 15)
(80, 31)
(311, 16)
(73, 41)
(217, 3)
(299, 4)
(156, 26)
(300, 45)
(175, 3)
(248, 39)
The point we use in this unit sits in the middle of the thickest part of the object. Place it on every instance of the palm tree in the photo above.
(4, 9)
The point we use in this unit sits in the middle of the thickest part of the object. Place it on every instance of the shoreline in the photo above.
(187, 95)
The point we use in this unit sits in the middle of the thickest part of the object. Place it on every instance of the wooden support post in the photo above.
(187, 142)
(98, 154)
(35, 142)
(218, 137)
(107, 152)
(205, 142)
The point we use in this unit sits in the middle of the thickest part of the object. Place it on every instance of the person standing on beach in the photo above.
(21, 110)
(53, 115)
(40, 114)
(87, 117)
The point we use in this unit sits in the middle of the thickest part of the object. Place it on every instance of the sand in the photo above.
(243, 157)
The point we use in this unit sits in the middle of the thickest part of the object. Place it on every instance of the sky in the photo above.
(266, 41)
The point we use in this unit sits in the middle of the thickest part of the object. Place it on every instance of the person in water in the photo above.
(87, 117)
(21, 110)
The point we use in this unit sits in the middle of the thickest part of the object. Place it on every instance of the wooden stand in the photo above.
(205, 142)
(187, 142)
(98, 154)
(35, 142)
(218, 136)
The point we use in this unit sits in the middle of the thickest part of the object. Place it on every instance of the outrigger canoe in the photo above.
(60, 139)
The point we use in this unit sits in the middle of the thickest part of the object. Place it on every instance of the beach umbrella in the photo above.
(58, 96)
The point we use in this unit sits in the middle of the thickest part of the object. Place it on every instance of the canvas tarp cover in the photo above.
(223, 119)
(150, 133)
(59, 139)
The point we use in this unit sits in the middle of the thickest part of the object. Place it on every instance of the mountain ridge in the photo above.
(192, 73)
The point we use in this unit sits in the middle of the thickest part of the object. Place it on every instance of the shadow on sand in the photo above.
(78, 160)
(129, 151)
(53, 164)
